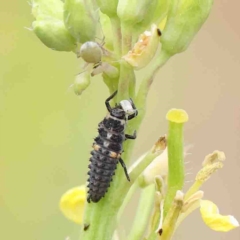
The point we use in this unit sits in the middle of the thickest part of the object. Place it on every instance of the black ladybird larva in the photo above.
(107, 147)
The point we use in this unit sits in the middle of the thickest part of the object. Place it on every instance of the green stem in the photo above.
(102, 216)
(140, 166)
(126, 76)
(170, 221)
(141, 103)
(117, 36)
(175, 162)
(143, 213)
(126, 38)
(146, 83)
(153, 235)
(127, 198)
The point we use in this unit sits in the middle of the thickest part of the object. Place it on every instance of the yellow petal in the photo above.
(214, 220)
(72, 204)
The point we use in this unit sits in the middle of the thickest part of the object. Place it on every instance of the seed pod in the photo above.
(91, 52)
(135, 11)
(81, 82)
(54, 35)
(183, 23)
(108, 7)
(80, 19)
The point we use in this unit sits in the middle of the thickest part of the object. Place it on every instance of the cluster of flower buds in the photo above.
(77, 25)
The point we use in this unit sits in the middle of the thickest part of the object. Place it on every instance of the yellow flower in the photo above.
(214, 220)
(72, 204)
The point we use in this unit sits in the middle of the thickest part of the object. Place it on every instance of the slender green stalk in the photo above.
(146, 83)
(126, 38)
(153, 235)
(175, 155)
(143, 213)
(127, 198)
(194, 188)
(172, 217)
(126, 76)
(117, 36)
(140, 166)
(141, 103)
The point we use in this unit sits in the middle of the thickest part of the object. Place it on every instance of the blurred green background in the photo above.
(46, 131)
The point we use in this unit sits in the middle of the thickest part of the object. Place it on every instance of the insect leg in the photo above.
(125, 169)
(108, 100)
(133, 115)
(136, 112)
(134, 136)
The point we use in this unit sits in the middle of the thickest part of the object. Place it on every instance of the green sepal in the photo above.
(54, 35)
(135, 11)
(108, 7)
(42, 9)
(80, 19)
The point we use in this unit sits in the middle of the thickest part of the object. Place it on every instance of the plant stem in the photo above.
(117, 36)
(169, 222)
(176, 118)
(102, 216)
(146, 83)
(143, 213)
(141, 99)
(126, 38)
(127, 198)
(126, 76)
(175, 162)
(141, 165)
(153, 235)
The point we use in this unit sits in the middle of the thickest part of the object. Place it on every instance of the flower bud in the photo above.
(54, 35)
(145, 48)
(81, 82)
(184, 21)
(80, 20)
(161, 10)
(158, 13)
(135, 11)
(108, 7)
(43, 9)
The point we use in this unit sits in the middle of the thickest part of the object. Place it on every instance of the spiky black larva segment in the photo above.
(107, 148)
(103, 163)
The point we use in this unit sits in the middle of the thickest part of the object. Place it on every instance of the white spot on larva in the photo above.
(109, 135)
(127, 107)
(105, 144)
